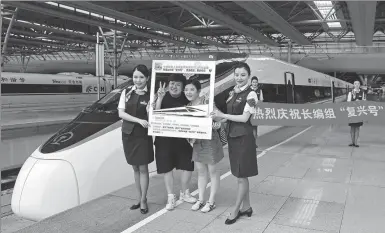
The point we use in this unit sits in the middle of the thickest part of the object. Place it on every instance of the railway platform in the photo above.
(309, 180)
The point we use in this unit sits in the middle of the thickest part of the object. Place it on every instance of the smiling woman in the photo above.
(242, 153)
(137, 144)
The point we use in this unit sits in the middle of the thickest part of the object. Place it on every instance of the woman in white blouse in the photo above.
(355, 95)
(138, 146)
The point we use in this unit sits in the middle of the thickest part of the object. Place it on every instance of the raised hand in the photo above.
(216, 113)
(162, 90)
(216, 125)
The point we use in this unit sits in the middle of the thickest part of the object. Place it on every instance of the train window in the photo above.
(224, 67)
(274, 93)
(280, 89)
(125, 84)
(227, 55)
(39, 88)
(317, 93)
(113, 96)
(328, 92)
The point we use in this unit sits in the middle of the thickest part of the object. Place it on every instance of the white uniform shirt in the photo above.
(350, 96)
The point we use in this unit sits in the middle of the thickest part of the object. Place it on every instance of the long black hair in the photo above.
(254, 78)
(142, 69)
(145, 71)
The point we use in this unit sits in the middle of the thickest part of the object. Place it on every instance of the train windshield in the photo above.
(114, 95)
(108, 102)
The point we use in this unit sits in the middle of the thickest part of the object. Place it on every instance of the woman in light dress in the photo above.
(206, 153)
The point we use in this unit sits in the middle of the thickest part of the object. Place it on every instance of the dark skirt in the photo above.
(243, 156)
(358, 124)
(138, 150)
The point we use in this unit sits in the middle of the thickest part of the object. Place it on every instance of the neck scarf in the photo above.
(235, 90)
(137, 91)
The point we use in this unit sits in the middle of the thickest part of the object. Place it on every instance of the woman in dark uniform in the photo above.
(242, 153)
(255, 87)
(356, 95)
(138, 146)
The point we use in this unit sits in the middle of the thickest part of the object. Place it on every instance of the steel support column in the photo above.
(97, 63)
(289, 47)
(361, 76)
(9, 31)
(362, 16)
(24, 63)
(115, 62)
(1, 69)
(104, 38)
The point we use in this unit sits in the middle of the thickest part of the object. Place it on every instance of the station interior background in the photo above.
(344, 39)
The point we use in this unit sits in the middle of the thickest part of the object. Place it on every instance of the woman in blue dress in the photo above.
(206, 153)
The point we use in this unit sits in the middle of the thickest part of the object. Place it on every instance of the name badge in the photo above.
(143, 102)
(239, 100)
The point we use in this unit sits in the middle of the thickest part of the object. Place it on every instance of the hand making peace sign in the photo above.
(162, 90)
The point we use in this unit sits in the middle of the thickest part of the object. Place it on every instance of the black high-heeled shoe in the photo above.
(144, 211)
(134, 207)
(231, 221)
(248, 212)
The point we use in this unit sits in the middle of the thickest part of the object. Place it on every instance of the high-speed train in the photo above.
(85, 159)
(33, 89)
(32, 83)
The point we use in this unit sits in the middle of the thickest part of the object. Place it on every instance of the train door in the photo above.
(105, 87)
(290, 87)
(333, 96)
(109, 84)
(347, 91)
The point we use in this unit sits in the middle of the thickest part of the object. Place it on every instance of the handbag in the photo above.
(222, 135)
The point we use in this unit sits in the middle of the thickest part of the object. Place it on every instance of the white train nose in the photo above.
(44, 188)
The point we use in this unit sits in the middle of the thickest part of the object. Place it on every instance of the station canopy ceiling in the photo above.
(64, 30)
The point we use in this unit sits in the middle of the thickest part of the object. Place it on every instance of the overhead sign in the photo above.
(318, 114)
